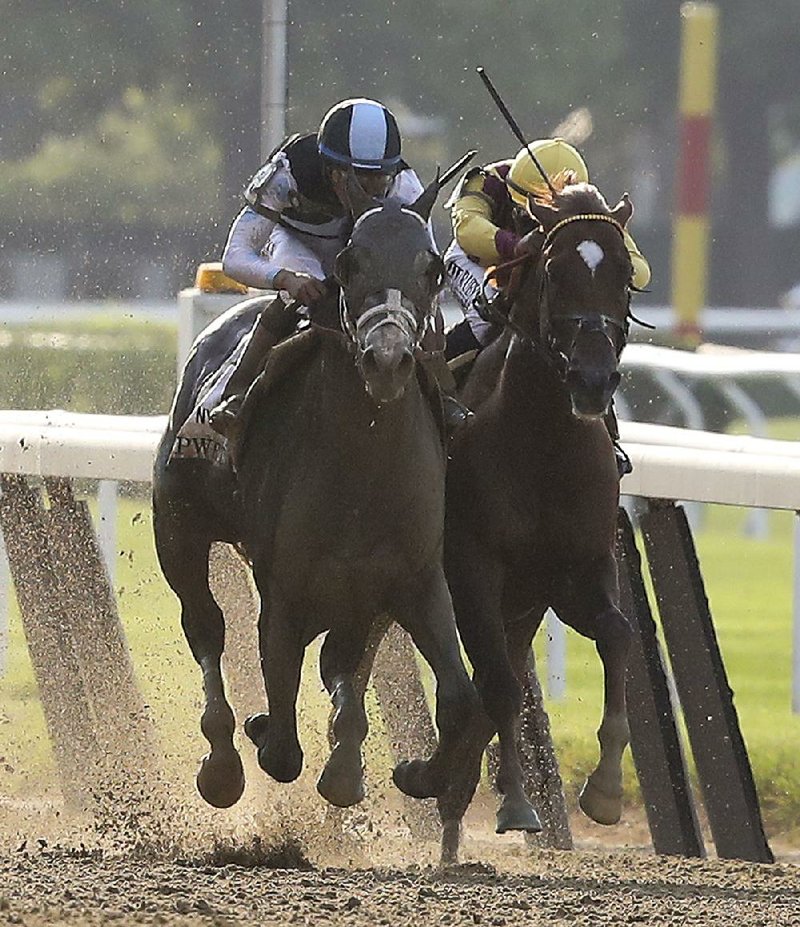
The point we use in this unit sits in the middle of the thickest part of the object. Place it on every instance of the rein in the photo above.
(543, 344)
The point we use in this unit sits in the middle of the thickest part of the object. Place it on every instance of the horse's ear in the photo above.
(544, 214)
(345, 266)
(623, 211)
(423, 204)
(430, 267)
(358, 200)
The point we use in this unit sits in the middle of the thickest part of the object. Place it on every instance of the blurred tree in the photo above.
(147, 158)
(149, 112)
(64, 71)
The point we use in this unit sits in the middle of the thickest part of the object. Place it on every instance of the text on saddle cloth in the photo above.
(196, 439)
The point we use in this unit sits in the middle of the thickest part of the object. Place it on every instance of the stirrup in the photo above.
(624, 465)
(455, 413)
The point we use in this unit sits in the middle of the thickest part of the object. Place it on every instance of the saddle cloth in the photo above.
(196, 439)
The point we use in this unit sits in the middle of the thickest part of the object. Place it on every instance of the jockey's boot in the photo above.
(276, 321)
(461, 340)
(624, 465)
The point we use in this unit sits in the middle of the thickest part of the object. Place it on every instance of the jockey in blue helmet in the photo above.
(296, 221)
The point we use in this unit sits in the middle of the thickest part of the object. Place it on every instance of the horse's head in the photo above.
(583, 286)
(390, 278)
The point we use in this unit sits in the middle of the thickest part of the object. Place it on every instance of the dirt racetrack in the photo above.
(50, 875)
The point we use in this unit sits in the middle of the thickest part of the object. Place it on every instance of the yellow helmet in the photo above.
(555, 155)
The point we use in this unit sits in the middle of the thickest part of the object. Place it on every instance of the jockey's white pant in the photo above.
(465, 278)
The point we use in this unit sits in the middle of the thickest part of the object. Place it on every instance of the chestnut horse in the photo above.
(533, 491)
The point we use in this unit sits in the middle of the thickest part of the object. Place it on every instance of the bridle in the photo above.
(391, 312)
(547, 342)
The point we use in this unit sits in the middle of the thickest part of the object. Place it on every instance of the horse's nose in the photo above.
(386, 368)
(591, 390)
(387, 359)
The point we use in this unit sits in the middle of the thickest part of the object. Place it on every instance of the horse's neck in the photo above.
(350, 419)
(529, 387)
(527, 382)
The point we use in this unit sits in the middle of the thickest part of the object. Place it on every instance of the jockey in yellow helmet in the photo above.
(483, 208)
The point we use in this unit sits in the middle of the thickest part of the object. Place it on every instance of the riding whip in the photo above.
(512, 123)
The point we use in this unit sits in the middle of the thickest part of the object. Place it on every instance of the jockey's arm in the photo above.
(641, 268)
(243, 260)
(243, 257)
(474, 229)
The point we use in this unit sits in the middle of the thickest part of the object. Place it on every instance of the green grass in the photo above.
(749, 587)
(106, 364)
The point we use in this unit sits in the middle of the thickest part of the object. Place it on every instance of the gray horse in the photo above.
(337, 502)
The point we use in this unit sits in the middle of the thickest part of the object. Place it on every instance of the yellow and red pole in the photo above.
(690, 243)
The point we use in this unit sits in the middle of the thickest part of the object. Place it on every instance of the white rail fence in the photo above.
(669, 463)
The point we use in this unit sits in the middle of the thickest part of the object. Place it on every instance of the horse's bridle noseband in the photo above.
(391, 312)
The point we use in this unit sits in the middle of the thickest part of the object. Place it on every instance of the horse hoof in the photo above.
(413, 778)
(342, 780)
(282, 762)
(517, 815)
(281, 765)
(600, 806)
(451, 837)
(256, 727)
(220, 779)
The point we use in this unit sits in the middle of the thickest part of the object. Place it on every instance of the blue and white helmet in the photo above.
(361, 134)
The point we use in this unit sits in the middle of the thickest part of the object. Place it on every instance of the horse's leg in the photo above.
(282, 650)
(477, 597)
(342, 780)
(452, 804)
(588, 604)
(183, 553)
(430, 622)
(516, 807)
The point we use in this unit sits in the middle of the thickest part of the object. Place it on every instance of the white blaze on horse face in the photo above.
(591, 253)
(394, 299)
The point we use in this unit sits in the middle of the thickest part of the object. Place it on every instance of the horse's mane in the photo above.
(571, 197)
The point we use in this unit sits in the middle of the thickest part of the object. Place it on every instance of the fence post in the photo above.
(719, 751)
(796, 619)
(655, 741)
(5, 585)
(62, 689)
(233, 587)
(404, 708)
(122, 721)
(540, 765)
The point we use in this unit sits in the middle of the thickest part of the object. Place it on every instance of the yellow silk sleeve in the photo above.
(641, 268)
(472, 223)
